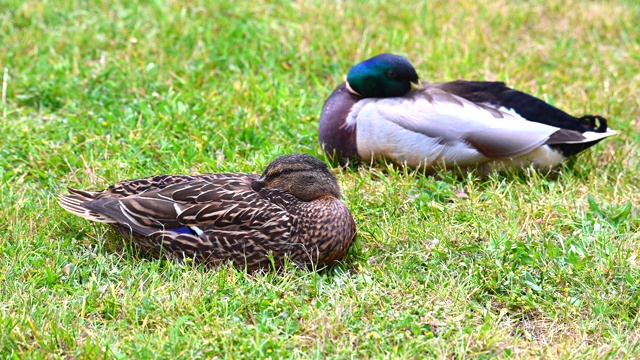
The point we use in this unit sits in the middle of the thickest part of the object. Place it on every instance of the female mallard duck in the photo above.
(293, 210)
(382, 111)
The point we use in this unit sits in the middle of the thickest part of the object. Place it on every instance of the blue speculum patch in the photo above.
(182, 230)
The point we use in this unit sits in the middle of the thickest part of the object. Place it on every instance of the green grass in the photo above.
(526, 266)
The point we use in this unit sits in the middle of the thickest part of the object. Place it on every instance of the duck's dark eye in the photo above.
(286, 170)
(392, 74)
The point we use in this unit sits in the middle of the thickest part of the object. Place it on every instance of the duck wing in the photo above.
(190, 204)
(457, 125)
(498, 95)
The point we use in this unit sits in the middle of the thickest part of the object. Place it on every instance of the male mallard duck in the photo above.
(293, 210)
(383, 111)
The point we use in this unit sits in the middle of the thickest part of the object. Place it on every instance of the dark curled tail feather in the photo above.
(590, 122)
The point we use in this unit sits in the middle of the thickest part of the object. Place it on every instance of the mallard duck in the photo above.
(383, 111)
(293, 210)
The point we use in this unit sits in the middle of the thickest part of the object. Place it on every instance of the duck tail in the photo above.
(597, 130)
(572, 142)
(75, 204)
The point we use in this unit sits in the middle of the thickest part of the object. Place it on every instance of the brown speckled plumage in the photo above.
(293, 210)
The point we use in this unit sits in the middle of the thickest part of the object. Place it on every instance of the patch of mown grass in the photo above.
(513, 265)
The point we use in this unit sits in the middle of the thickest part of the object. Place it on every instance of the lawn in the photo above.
(518, 264)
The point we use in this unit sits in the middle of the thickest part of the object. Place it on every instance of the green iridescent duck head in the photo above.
(384, 75)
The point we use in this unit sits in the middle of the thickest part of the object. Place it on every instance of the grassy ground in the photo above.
(524, 266)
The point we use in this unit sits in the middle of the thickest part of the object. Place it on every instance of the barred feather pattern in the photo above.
(227, 220)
